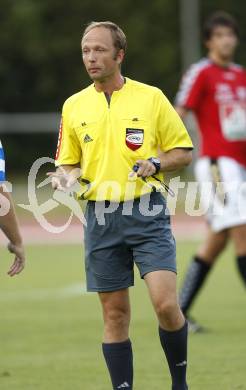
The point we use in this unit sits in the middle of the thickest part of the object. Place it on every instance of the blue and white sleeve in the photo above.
(2, 164)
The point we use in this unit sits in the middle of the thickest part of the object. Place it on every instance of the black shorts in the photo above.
(112, 249)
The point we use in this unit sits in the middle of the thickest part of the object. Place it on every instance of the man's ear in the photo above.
(119, 56)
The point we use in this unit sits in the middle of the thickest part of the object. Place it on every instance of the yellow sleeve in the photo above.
(68, 146)
(171, 132)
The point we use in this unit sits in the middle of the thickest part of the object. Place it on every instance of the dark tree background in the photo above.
(41, 65)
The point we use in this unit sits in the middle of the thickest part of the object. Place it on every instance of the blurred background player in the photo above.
(9, 223)
(214, 89)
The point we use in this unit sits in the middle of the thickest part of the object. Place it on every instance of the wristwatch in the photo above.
(156, 162)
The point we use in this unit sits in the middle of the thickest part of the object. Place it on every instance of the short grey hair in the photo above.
(119, 38)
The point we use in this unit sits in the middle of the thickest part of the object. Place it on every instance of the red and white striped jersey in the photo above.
(217, 96)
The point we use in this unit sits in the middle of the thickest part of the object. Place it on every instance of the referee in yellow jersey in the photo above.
(108, 128)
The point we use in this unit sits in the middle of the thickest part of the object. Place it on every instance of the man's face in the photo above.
(223, 42)
(99, 54)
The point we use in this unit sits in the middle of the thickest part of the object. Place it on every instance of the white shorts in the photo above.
(222, 184)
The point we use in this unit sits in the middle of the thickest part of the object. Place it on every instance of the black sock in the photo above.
(174, 345)
(194, 279)
(241, 262)
(119, 360)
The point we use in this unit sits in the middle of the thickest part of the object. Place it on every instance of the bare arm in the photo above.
(170, 161)
(175, 159)
(10, 227)
(182, 111)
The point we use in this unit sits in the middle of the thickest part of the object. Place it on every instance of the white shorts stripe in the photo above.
(225, 204)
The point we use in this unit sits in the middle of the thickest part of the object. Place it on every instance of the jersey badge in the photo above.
(134, 138)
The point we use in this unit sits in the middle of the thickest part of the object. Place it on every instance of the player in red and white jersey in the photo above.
(217, 96)
(214, 89)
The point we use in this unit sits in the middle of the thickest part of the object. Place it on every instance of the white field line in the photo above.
(40, 294)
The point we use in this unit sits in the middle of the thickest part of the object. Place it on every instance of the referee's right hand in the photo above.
(62, 179)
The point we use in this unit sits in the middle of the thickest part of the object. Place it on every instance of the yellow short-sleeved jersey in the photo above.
(108, 138)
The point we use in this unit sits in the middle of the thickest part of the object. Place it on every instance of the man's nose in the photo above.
(92, 57)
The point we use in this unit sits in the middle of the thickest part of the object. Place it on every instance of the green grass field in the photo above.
(50, 336)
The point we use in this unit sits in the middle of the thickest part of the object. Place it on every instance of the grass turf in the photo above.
(50, 334)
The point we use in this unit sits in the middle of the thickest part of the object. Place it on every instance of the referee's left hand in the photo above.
(146, 168)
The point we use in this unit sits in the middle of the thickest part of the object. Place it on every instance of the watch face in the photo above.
(156, 160)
